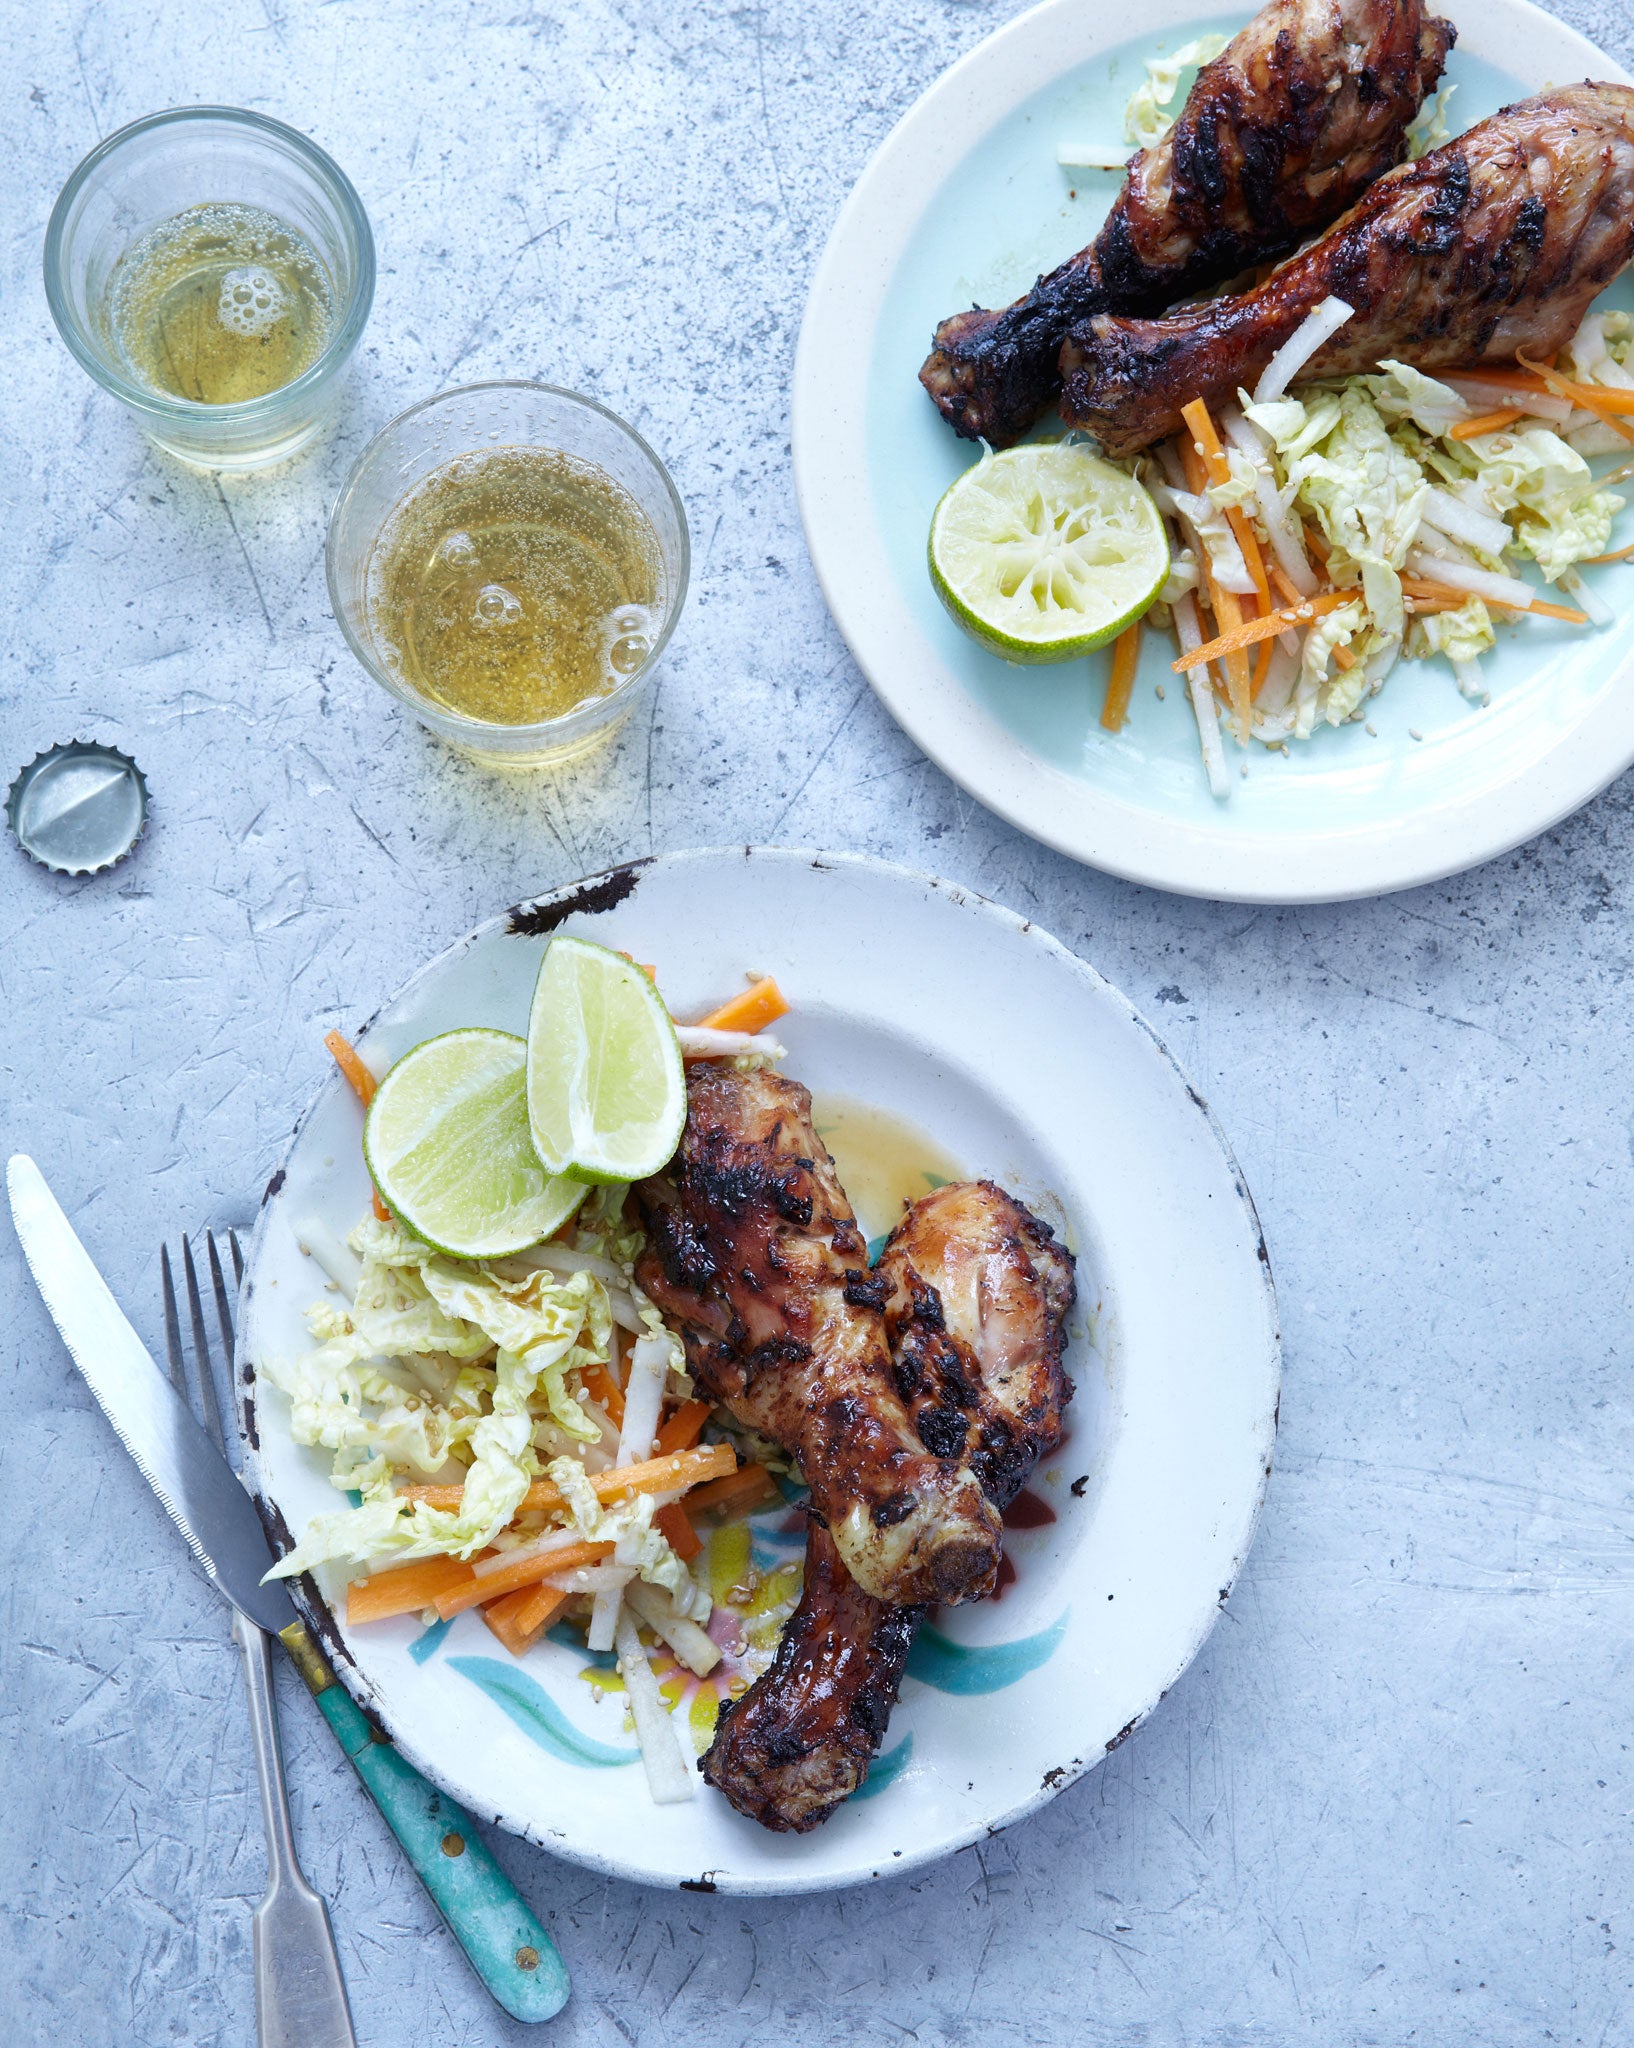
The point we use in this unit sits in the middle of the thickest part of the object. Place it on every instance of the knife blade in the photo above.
(191, 1477)
(503, 1940)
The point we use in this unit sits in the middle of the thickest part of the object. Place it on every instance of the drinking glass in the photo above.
(160, 167)
(478, 419)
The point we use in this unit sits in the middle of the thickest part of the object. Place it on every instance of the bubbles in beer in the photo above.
(219, 304)
(514, 584)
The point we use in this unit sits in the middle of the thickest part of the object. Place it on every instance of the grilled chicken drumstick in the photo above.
(1495, 243)
(801, 1739)
(753, 1249)
(1283, 131)
(979, 1293)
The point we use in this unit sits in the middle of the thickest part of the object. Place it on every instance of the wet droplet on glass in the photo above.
(459, 549)
(627, 654)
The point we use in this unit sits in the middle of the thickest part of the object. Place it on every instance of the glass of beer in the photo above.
(509, 561)
(213, 269)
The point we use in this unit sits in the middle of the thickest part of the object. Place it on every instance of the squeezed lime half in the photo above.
(1045, 552)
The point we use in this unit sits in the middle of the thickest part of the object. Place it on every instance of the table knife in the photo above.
(509, 1950)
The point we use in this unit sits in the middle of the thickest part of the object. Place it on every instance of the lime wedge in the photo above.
(446, 1139)
(606, 1094)
(1045, 552)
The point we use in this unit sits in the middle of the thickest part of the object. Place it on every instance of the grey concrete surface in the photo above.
(1391, 1801)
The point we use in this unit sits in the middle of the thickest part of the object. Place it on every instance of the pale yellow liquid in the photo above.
(517, 584)
(884, 1162)
(220, 304)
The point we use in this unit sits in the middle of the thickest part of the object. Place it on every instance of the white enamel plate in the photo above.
(1021, 1064)
(965, 204)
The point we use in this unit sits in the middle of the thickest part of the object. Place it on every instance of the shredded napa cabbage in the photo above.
(1367, 493)
(602, 1227)
(1402, 393)
(1547, 492)
(1462, 635)
(1428, 128)
(1147, 119)
(1185, 574)
(1598, 353)
(438, 1360)
(1363, 460)
(1325, 690)
(628, 1524)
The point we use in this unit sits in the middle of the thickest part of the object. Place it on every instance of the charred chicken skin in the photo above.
(978, 1295)
(980, 1291)
(752, 1248)
(1283, 131)
(802, 1738)
(1498, 242)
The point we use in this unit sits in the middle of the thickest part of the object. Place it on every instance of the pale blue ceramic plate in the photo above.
(966, 203)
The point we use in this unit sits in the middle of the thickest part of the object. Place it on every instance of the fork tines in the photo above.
(201, 1389)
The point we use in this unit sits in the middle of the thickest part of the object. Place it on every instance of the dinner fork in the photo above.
(300, 1995)
(503, 1940)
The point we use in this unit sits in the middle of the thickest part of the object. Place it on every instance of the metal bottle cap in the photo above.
(78, 808)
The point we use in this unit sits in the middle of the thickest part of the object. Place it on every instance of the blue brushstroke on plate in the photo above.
(572, 1639)
(888, 1769)
(537, 1714)
(771, 1546)
(425, 1645)
(966, 1668)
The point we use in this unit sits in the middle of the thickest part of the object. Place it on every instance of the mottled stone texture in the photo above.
(1390, 1803)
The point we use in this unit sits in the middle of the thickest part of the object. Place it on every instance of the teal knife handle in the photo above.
(512, 1954)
